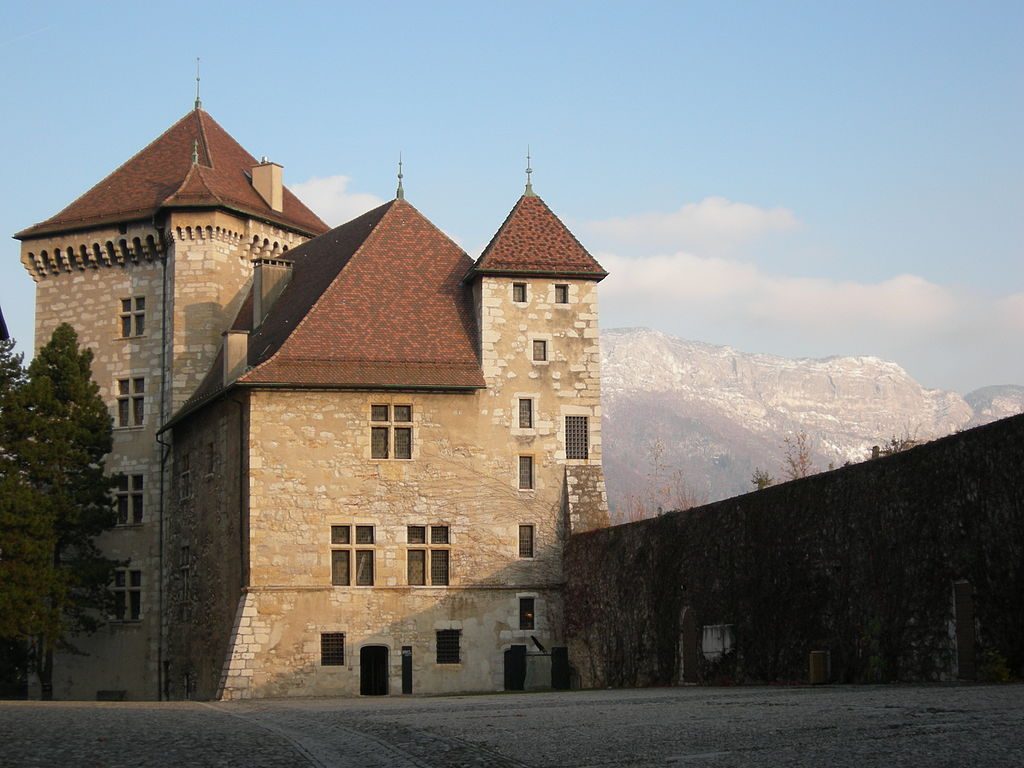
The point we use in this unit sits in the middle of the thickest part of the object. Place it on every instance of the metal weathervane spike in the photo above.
(400, 194)
(199, 103)
(529, 170)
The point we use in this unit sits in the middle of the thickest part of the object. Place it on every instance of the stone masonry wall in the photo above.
(860, 562)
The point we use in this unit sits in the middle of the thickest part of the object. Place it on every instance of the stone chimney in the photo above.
(269, 278)
(268, 180)
(236, 354)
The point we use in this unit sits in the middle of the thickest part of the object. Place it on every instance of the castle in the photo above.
(351, 457)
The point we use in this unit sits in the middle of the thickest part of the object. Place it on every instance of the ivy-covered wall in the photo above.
(860, 561)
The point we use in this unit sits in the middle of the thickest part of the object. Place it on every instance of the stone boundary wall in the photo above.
(860, 562)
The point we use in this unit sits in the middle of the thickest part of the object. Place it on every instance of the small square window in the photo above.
(525, 413)
(379, 412)
(561, 294)
(341, 534)
(439, 534)
(525, 472)
(519, 292)
(526, 613)
(526, 541)
(448, 646)
(364, 534)
(403, 413)
(332, 649)
(416, 534)
(540, 349)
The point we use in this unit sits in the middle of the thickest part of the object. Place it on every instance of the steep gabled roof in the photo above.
(376, 303)
(162, 175)
(533, 241)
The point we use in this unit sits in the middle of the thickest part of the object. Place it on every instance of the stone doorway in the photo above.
(373, 670)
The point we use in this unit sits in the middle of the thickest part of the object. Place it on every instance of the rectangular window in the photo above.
(340, 568)
(417, 534)
(439, 534)
(127, 595)
(577, 438)
(417, 569)
(525, 472)
(519, 292)
(332, 649)
(526, 613)
(133, 316)
(364, 534)
(131, 402)
(448, 646)
(185, 573)
(540, 349)
(526, 541)
(129, 499)
(388, 441)
(525, 413)
(184, 478)
(439, 567)
(364, 568)
(561, 294)
(341, 534)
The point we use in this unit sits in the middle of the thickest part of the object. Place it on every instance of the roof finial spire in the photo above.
(400, 194)
(199, 103)
(529, 170)
(195, 152)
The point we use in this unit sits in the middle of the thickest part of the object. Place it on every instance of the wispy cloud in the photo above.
(331, 200)
(712, 224)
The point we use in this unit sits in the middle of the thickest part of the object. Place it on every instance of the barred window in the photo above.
(332, 649)
(540, 349)
(417, 534)
(519, 292)
(420, 571)
(364, 534)
(561, 294)
(387, 441)
(448, 646)
(526, 541)
(577, 437)
(525, 472)
(133, 316)
(439, 534)
(439, 567)
(525, 413)
(526, 613)
(129, 499)
(131, 402)
(127, 595)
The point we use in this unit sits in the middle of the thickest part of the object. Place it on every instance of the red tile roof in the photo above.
(533, 241)
(378, 302)
(162, 176)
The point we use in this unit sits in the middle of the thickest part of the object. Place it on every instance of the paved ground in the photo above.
(834, 726)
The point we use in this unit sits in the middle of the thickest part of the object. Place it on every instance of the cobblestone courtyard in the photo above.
(834, 726)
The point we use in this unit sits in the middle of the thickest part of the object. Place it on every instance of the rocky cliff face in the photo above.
(685, 421)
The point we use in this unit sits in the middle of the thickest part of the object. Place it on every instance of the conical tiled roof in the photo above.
(163, 176)
(533, 241)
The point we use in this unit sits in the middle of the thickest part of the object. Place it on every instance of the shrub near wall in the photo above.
(860, 561)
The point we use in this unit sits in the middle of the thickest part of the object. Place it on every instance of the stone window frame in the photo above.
(516, 426)
(448, 646)
(391, 426)
(593, 440)
(527, 543)
(577, 443)
(132, 317)
(561, 291)
(131, 402)
(185, 580)
(184, 476)
(439, 541)
(520, 293)
(130, 498)
(127, 589)
(345, 538)
(523, 460)
(332, 649)
(541, 347)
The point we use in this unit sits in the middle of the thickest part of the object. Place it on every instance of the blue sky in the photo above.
(803, 179)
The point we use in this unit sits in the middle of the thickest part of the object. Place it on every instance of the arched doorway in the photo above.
(373, 670)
